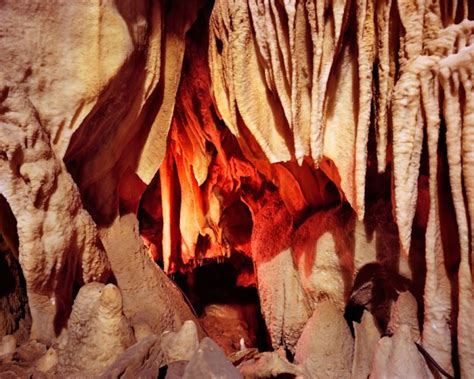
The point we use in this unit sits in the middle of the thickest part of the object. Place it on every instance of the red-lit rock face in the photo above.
(323, 150)
(212, 186)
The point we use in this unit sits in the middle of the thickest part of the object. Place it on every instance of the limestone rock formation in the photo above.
(366, 338)
(405, 312)
(323, 149)
(55, 91)
(97, 332)
(129, 261)
(180, 345)
(398, 357)
(269, 364)
(142, 359)
(48, 362)
(42, 196)
(209, 361)
(326, 346)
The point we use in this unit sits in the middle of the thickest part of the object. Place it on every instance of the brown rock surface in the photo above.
(129, 261)
(142, 359)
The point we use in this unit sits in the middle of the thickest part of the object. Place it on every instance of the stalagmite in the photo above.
(397, 357)
(326, 347)
(404, 312)
(42, 195)
(279, 285)
(366, 337)
(97, 332)
(129, 260)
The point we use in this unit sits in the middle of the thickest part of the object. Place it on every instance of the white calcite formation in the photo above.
(58, 238)
(326, 347)
(97, 332)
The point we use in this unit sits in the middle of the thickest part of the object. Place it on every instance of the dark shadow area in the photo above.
(449, 238)
(375, 289)
(14, 311)
(8, 282)
(226, 310)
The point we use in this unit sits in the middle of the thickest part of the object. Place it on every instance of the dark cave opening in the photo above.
(228, 311)
(14, 311)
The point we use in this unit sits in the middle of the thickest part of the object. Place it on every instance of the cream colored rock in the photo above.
(7, 347)
(130, 260)
(85, 44)
(132, 115)
(180, 345)
(366, 338)
(269, 364)
(325, 348)
(398, 357)
(48, 362)
(327, 278)
(43, 198)
(295, 50)
(141, 331)
(285, 306)
(102, 72)
(405, 312)
(79, 69)
(97, 331)
(209, 362)
(449, 64)
(324, 257)
(261, 112)
(95, 83)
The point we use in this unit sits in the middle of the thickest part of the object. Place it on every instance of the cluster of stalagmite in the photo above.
(328, 143)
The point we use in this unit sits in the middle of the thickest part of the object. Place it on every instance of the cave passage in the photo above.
(230, 313)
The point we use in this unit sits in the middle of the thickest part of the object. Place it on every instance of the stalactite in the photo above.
(365, 43)
(450, 69)
(385, 78)
(437, 296)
